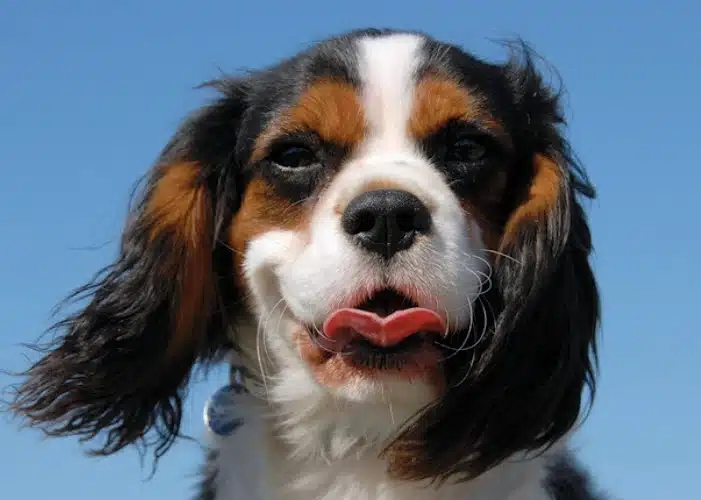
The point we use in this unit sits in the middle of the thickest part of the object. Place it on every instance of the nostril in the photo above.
(358, 222)
(366, 221)
(406, 222)
(422, 220)
(414, 219)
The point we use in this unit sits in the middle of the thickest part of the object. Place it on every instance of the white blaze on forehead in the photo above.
(388, 66)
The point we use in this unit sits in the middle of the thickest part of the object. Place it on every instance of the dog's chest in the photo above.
(345, 480)
(247, 468)
(355, 479)
(249, 463)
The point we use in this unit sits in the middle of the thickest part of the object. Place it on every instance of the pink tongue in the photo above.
(381, 331)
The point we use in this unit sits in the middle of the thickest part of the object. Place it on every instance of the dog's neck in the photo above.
(291, 451)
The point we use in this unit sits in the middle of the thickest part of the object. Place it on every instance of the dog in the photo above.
(385, 236)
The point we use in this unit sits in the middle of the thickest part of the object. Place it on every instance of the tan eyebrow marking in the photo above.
(329, 107)
(439, 100)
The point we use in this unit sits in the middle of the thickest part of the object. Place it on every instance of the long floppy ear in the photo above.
(117, 368)
(520, 388)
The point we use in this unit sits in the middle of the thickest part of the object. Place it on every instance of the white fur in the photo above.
(305, 441)
(255, 465)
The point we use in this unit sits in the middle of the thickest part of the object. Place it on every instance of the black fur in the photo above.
(207, 489)
(567, 481)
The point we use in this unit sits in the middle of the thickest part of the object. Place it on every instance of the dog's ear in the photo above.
(520, 388)
(545, 350)
(117, 367)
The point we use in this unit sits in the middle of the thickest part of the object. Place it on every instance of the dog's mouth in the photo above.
(384, 331)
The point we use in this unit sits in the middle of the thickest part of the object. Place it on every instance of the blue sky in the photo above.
(90, 91)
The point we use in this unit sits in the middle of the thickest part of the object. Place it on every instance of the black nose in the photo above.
(386, 221)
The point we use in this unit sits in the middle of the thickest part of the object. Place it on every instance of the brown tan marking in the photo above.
(330, 108)
(542, 196)
(381, 183)
(263, 210)
(179, 212)
(438, 100)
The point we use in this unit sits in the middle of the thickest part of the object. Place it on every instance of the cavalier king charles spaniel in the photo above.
(384, 235)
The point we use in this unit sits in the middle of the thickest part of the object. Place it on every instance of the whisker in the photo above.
(277, 329)
(470, 327)
(300, 202)
(262, 343)
(467, 372)
(501, 254)
(474, 352)
(229, 247)
(321, 334)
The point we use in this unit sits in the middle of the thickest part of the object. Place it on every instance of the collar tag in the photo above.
(220, 411)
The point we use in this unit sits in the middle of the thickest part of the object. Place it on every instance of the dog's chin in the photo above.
(404, 381)
(414, 363)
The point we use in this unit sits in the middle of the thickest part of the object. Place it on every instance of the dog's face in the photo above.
(364, 203)
(383, 224)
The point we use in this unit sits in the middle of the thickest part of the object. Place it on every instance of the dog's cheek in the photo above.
(261, 233)
(263, 211)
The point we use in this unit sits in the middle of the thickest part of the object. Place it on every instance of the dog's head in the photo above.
(385, 227)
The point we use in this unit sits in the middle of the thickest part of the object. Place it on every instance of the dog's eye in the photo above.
(466, 150)
(294, 156)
